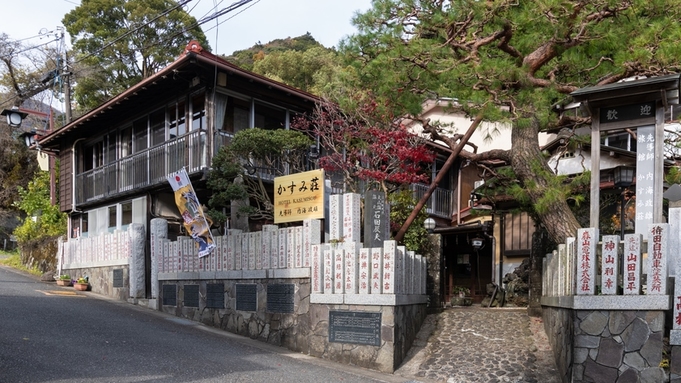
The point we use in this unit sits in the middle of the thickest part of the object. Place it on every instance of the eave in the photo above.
(176, 78)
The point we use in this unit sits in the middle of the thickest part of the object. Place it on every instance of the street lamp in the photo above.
(429, 224)
(14, 116)
(477, 243)
(623, 177)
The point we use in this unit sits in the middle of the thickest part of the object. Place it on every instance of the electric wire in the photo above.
(205, 19)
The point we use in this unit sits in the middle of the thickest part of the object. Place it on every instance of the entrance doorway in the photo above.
(467, 266)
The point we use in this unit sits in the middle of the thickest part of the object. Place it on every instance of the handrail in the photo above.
(440, 202)
(143, 169)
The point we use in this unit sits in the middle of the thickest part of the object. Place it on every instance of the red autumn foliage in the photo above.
(366, 146)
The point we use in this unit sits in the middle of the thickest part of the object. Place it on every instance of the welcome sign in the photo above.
(299, 196)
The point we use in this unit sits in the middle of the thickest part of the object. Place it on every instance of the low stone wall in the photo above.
(281, 329)
(559, 327)
(399, 325)
(305, 328)
(102, 280)
(618, 346)
(594, 341)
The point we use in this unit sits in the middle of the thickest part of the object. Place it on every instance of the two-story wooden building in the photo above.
(114, 159)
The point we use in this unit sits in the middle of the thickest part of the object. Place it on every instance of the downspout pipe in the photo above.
(73, 175)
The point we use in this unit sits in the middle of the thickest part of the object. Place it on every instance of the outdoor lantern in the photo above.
(429, 224)
(29, 138)
(477, 243)
(624, 176)
(14, 116)
(313, 152)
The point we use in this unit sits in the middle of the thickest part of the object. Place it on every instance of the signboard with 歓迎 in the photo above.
(299, 196)
(627, 112)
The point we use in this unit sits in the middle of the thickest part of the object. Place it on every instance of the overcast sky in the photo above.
(259, 21)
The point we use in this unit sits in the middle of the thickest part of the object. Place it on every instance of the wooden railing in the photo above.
(150, 167)
(143, 169)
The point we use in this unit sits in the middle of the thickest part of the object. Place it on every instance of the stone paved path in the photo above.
(474, 344)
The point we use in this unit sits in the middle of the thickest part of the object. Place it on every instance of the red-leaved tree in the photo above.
(364, 151)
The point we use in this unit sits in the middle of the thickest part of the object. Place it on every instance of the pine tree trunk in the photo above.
(558, 219)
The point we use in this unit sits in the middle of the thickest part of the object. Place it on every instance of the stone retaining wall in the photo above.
(399, 325)
(286, 330)
(306, 329)
(606, 345)
(559, 327)
(102, 281)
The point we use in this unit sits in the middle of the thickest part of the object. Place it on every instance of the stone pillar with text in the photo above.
(587, 239)
(351, 217)
(312, 235)
(376, 219)
(388, 272)
(335, 217)
(632, 264)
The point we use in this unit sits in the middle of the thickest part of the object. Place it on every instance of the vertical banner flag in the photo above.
(195, 222)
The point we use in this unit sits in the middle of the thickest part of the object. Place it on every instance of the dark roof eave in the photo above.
(184, 60)
(627, 88)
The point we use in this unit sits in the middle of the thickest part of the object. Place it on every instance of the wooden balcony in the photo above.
(150, 167)
(143, 169)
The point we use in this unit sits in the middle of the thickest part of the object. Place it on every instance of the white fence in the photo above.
(105, 249)
(339, 268)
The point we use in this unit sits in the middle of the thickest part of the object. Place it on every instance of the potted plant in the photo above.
(64, 280)
(461, 296)
(81, 284)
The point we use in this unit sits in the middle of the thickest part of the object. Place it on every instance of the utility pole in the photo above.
(66, 75)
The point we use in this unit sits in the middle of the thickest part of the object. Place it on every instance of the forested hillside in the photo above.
(300, 61)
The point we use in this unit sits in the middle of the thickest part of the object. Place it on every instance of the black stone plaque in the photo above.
(246, 297)
(169, 295)
(191, 295)
(215, 296)
(118, 278)
(376, 219)
(355, 327)
(280, 298)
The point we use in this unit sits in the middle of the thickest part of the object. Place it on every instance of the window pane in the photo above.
(84, 225)
(139, 128)
(126, 217)
(126, 142)
(98, 154)
(112, 218)
(177, 118)
(157, 125)
(267, 117)
(198, 112)
(236, 115)
(111, 148)
(88, 154)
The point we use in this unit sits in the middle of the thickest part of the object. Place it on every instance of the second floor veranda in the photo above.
(149, 169)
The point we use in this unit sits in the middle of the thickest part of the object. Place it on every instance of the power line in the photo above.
(205, 19)
(178, 5)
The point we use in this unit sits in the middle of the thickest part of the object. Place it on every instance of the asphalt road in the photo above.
(55, 334)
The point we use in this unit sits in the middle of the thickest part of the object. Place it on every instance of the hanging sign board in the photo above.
(627, 112)
(299, 196)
